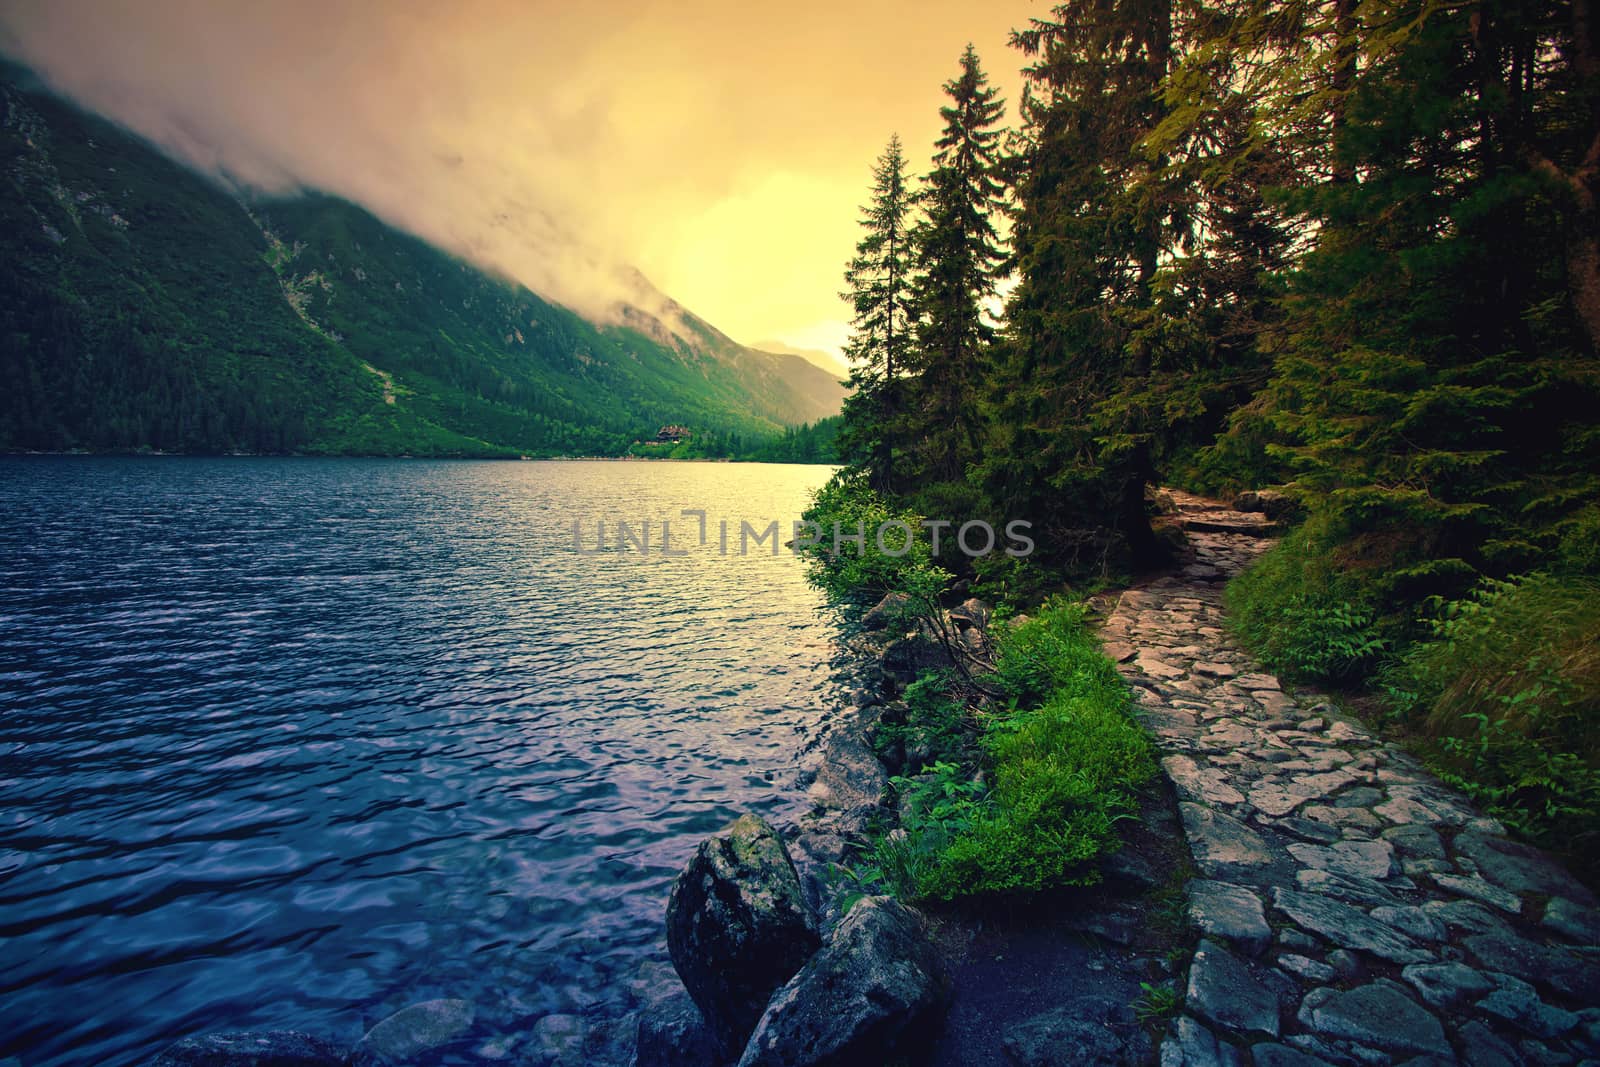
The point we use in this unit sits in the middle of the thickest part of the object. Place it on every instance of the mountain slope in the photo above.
(143, 307)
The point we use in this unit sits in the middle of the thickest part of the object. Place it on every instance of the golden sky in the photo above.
(721, 147)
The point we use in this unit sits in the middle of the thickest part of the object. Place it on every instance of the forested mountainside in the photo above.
(144, 307)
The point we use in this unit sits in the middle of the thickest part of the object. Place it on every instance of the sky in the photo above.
(722, 147)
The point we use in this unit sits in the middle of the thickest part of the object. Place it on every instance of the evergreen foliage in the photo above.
(143, 307)
(1346, 249)
(956, 258)
(878, 287)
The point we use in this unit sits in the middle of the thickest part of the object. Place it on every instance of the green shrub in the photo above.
(1303, 614)
(1063, 761)
(1506, 687)
(936, 723)
(847, 504)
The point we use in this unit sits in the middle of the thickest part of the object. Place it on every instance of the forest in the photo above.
(1346, 251)
(145, 307)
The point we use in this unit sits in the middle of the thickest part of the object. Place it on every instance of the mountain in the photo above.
(143, 306)
(834, 365)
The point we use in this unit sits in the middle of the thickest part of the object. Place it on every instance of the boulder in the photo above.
(874, 992)
(738, 926)
(559, 1040)
(850, 779)
(1269, 502)
(907, 657)
(411, 1031)
(887, 612)
(673, 1033)
(252, 1048)
(971, 613)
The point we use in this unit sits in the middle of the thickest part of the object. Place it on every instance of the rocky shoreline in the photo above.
(1296, 893)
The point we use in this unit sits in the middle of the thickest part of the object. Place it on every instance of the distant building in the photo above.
(671, 435)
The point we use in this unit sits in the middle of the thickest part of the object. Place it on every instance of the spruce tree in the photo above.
(957, 260)
(1438, 381)
(878, 287)
(1089, 230)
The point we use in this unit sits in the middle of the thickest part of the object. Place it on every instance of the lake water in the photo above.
(297, 743)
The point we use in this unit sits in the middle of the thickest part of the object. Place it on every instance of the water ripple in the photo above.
(296, 743)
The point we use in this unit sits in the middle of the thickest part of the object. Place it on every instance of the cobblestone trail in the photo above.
(1352, 909)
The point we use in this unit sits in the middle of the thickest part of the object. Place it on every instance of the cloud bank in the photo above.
(721, 147)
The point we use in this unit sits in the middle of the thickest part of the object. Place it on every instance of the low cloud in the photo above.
(720, 147)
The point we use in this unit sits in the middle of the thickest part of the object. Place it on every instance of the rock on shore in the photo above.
(738, 926)
(866, 997)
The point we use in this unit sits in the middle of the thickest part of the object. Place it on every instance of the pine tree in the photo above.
(1438, 381)
(878, 288)
(957, 261)
(1089, 232)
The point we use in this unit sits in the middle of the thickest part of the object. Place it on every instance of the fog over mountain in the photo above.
(720, 148)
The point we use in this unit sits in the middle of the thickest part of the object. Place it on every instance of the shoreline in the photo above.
(83, 454)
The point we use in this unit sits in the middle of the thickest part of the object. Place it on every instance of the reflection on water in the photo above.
(300, 742)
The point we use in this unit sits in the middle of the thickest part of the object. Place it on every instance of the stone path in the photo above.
(1351, 909)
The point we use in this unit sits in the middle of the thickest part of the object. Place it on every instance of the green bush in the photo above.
(848, 504)
(1506, 689)
(1303, 614)
(1063, 761)
(936, 723)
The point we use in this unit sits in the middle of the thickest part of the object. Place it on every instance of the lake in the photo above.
(297, 742)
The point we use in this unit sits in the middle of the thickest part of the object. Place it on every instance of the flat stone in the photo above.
(1464, 915)
(1572, 920)
(1340, 1052)
(1353, 890)
(1446, 985)
(1517, 1003)
(1156, 668)
(1223, 847)
(1307, 968)
(1257, 682)
(1190, 1044)
(1414, 921)
(1520, 868)
(1231, 913)
(1318, 833)
(412, 1031)
(1347, 927)
(1342, 731)
(1277, 799)
(1360, 797)
(1197, 783)
(1290, 937)
(1215, 670)
(1379, 1015)
(1223, 990)
(1350, 859)
(1481, 1047)
(1344, 818)
(1421, 804)
(1417, 842)
(1544, 966)
(1478, 889)
(1268, 1054)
